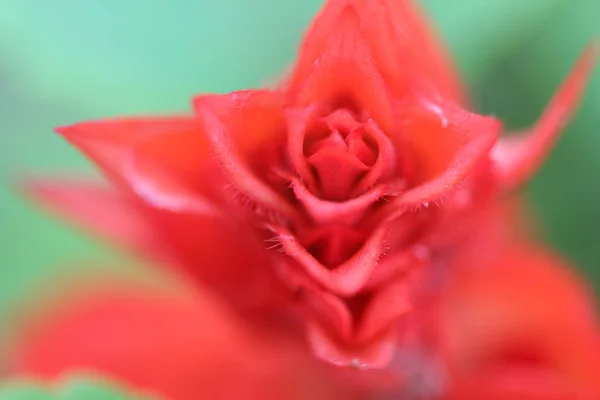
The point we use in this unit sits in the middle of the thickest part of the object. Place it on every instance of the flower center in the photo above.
(340, 152)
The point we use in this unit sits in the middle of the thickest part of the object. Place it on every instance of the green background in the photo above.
(62, 61)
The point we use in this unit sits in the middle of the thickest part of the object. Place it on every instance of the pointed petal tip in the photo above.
(518, 158)
(589, 57)
(40, 191)
(594, 46)
(69, 131)
(79, 134)
(63, 129)
(33, 188)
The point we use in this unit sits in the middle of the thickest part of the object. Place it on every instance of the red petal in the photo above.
(377, 354)
(181, 346)
(236, 125)
(519, 384)
(386, 307)
(336, 66)
(484, 326)
(297, 123)
(253, 117)
(483, 295)
(346, 279)
(365, 340)
(398, 264)
(99, 208)
(166, 164)
(382, 311)
(329, 311)
(410, 43)
(158, 159)
(350, 211)
(445, 144)
(385, 164)
(384, 37)
(518, 158)
(337, 170)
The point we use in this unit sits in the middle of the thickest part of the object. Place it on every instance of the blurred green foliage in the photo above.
(66, 60)
(68, 388)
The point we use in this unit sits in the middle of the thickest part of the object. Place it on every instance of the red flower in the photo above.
(182, 346)
(523, 328)
(372, 110)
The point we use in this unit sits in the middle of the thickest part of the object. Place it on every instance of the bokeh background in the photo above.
(62, 61)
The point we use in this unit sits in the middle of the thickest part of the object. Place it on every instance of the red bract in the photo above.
(329, 193)
(180, 346)
(521, 328)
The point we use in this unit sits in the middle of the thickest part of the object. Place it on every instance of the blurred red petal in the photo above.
(99, 208)
(514, 324)
(165, 168)
(157, 159)
(185, 347)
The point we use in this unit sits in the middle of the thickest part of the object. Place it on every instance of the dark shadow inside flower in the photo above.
(345, 102)
(359, 255)
(332, 246)
(357, 305)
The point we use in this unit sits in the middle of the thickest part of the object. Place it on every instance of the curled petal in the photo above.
(385, 163)
(347, 212)
(297, 121)
(385, 308)
(240, 123)
(329, 311)
(517, 158)
(357, 332)
(382, 309)
(446, 144)
(346, 279)
(377, 354)
(397, 264)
